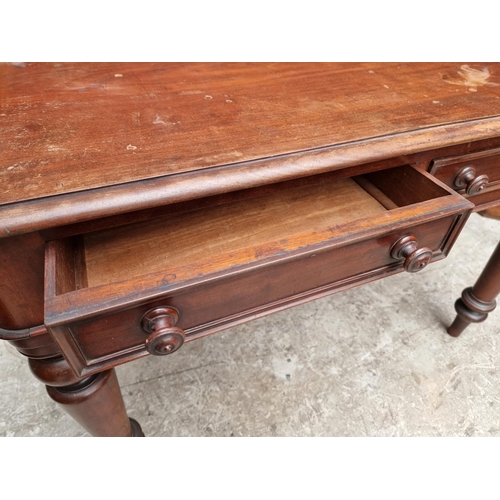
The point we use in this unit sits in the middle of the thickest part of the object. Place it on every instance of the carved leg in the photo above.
(478, 301)
(95, 402)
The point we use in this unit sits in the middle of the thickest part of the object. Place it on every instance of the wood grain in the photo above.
(109, 338)
(72, 127)
(21, 281)
(136, 263)
(159, 186)
(229, 234)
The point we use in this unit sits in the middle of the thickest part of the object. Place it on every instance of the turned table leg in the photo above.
(95, 402)
(477, 301)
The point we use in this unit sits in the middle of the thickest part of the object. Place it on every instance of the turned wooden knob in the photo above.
(165, 338)
(415, 259)
(466, 178)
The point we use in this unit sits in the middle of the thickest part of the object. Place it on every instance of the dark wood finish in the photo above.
(285, 121)
(38, 347)
(283, 220)
(46, 213)
(213, 264)
(87, 128)
(95, 402)
(165, 338)
(486, 200)
(415, 258)
(478, 301)
(223, 191)
(54, 371)
(246, 296)
(97, 405)
(470, 174)
(467, 179)
(21, 290)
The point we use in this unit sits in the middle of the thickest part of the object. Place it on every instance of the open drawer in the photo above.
(116, 294)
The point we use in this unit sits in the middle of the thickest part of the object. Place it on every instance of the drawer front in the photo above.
(101, 317)
(109, 339)
(475, 175)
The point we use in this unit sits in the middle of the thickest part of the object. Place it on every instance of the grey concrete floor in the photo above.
(372, 361)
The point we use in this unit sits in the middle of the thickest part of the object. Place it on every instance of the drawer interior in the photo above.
(283, 220)
(229, 259)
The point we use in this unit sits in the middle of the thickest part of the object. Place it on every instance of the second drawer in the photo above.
(475, 175)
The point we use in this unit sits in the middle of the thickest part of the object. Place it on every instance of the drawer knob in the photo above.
(165, 338)
(466, 179)
(415, 258)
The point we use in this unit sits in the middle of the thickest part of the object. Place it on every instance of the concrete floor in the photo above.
(372, 361)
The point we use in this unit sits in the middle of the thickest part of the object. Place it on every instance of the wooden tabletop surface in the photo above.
(72, 127)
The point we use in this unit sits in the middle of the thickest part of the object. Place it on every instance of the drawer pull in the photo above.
(165, 338)
(466, 178)
(415, 258)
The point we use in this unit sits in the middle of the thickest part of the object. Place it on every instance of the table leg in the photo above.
(477, 301)
(95, 402)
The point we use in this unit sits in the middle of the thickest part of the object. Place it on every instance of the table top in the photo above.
(82, 138)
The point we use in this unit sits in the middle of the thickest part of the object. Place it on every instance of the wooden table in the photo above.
(147, 205)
